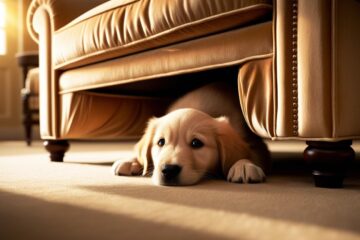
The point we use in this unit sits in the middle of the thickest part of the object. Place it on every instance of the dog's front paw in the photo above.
(126, 168)
(244, 171)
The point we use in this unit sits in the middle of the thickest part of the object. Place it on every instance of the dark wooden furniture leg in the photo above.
(27, 61)
(28, 116)
(57, 149)
(329, 161)
(27, 120)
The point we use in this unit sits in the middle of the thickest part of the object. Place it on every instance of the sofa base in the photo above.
(329, 162)
(57, 149)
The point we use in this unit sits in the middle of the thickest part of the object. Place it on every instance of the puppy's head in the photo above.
(185, 145)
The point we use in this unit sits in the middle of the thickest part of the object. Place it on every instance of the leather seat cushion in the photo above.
(121, 27)
(211, 52)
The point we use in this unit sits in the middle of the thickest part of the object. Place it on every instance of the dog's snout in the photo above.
(170, 171)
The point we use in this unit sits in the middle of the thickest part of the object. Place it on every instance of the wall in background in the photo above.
(18, 40)
(28, 44)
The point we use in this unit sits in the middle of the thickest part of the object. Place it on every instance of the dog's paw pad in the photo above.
(126, 168)
(244, 171)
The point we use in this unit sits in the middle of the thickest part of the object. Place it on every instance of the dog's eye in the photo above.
(196, 143)
(161, 142)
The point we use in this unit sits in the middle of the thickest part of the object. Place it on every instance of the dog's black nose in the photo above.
(170, 171)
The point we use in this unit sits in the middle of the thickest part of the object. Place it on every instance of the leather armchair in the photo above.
(114, 66)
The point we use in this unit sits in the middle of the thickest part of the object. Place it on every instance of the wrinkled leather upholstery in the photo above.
(297, 74)
(106, 116)
(117, 28)
(175, 59)
(255, 83)
(167, 22)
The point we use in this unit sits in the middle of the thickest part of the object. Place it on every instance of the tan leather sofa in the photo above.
(107, 66)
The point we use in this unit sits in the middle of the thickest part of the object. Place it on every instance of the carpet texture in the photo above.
(80, 199)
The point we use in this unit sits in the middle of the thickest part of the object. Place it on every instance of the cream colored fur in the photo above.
(229, 148)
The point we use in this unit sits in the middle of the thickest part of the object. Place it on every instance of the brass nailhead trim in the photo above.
(294, 67)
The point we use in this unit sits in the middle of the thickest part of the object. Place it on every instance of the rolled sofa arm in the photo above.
(60, 12)
(44, 17)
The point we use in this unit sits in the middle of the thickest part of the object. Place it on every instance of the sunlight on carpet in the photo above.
(81, 199)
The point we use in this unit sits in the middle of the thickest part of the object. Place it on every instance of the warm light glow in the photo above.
(2, 14)
(2, 28)
(2, 42)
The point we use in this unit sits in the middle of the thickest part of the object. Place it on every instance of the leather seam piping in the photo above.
(294, 68)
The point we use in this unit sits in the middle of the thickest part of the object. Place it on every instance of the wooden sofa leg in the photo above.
(329, 162)
(27, 121)
(57, 149)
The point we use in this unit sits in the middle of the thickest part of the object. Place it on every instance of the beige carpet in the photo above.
(80, 199)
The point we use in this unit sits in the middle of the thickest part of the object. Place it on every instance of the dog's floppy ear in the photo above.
(143, 147)
(231, 147)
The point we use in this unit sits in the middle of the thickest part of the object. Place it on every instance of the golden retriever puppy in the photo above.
(204, 134)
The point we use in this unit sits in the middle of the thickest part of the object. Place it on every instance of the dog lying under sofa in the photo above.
(204, 134)
(107, 67)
